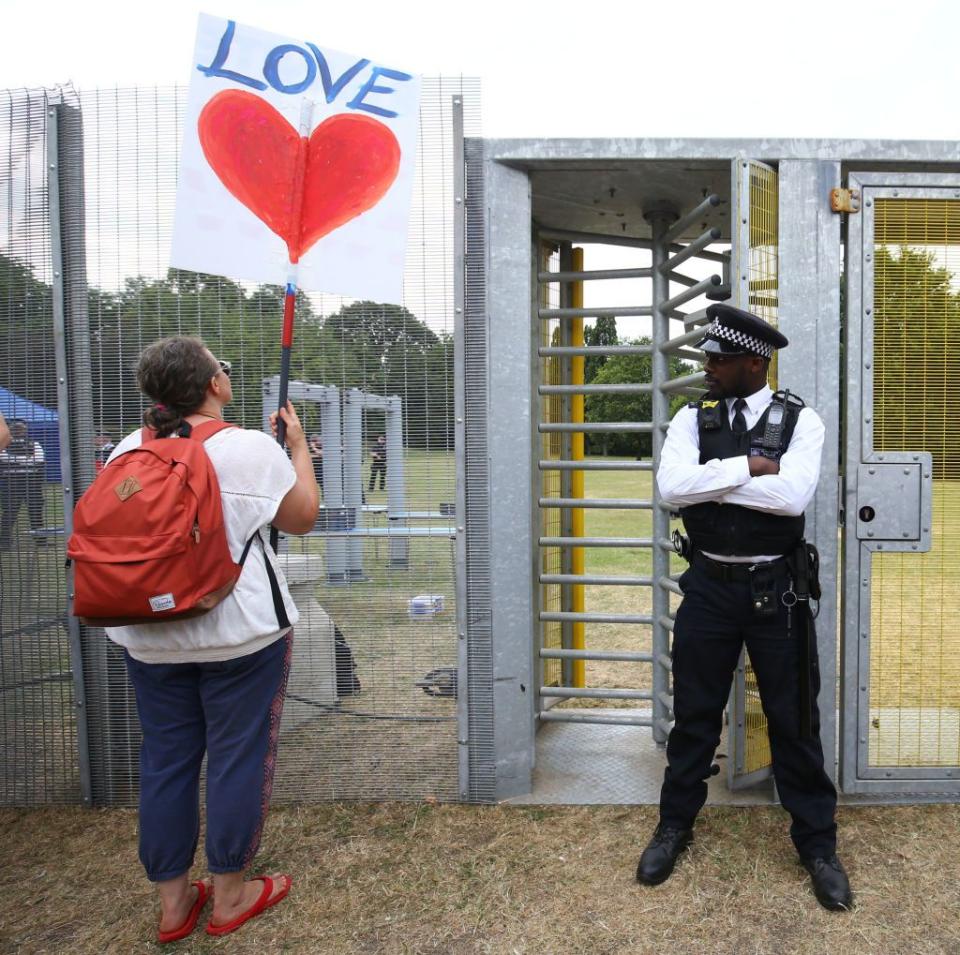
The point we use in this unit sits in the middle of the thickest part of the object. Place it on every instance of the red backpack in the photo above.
(148, 541)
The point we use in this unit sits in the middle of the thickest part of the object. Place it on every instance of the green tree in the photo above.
(385, 349)
(26, 321)
(602, 332)
(916, 336)
(629, 369)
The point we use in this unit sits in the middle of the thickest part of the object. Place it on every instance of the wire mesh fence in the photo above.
(372, 699)
(39, 751)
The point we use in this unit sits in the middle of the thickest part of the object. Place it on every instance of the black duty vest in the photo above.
(732, 529)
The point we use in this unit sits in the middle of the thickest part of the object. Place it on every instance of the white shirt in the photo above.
(255, 475)
(16, 460)
(683, 480)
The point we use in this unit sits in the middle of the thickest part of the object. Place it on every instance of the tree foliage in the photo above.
(916, 337)
(382, 349)
(602, 332)
(629, 369)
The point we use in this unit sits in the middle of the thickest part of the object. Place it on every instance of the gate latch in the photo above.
(894, 500)
(844, 200)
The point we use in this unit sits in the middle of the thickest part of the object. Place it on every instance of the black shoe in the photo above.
(830, 883)
(658, 859)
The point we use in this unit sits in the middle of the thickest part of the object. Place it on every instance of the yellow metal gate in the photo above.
(755, 286)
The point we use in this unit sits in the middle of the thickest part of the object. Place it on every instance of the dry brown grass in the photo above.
(404, 878)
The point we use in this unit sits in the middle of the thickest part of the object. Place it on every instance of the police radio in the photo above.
(770, 444)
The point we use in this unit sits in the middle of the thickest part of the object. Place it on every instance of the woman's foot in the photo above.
(179, 900)
(234, 897)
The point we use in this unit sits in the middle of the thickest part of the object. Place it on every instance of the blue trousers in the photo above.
(714, 621)
(229, 710)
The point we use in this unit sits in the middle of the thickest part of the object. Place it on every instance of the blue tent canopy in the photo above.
(43, 425)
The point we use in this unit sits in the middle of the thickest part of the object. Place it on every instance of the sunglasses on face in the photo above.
(225, 366)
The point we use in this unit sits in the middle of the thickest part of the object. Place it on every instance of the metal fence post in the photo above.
(660, 221)
(74, 400)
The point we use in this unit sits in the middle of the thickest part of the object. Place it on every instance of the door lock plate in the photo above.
(894, 500)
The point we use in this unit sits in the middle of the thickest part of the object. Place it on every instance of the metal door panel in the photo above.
(900, 721)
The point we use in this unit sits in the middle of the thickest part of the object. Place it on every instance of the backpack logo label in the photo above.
(127, 488)
(162, 602)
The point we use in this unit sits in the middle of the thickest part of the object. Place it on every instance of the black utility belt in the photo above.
(741, 572)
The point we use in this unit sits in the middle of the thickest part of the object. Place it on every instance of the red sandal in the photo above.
(265, 901)
(204, 892)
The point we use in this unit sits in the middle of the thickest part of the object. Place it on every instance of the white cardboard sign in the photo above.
(260, 191)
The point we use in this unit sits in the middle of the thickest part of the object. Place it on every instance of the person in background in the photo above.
(214, 684)
(378, 462)
(4, 433)
(21, 480)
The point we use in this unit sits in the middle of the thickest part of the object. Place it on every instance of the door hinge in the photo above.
(845, 200)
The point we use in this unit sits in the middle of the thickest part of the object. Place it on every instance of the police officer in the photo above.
(742, 465)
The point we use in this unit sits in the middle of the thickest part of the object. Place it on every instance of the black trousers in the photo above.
(714, 620)
(378, 467)
(15, 489)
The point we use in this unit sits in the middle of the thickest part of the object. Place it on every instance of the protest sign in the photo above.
(295, 155)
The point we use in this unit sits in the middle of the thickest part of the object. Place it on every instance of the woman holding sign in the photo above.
(214, 684)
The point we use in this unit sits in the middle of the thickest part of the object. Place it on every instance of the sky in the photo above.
(847, 69)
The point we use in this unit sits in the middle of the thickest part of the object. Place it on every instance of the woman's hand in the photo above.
(293, 435)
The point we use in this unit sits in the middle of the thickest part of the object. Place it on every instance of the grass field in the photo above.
(432, 878)
(398, 879)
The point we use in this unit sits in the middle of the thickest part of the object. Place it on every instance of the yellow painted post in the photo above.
(576, 477)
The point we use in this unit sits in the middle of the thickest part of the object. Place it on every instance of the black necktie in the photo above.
(739, 423)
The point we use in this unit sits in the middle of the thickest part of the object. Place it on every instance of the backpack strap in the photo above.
(200, 432)
(278, 608)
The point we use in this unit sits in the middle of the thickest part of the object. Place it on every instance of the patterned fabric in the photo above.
(270, 760)
(722, 332)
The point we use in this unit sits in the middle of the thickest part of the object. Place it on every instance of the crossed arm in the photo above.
(778, 488)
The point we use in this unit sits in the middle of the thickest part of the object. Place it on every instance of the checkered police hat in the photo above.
(732, 331)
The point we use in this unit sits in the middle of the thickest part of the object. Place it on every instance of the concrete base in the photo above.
(596, 764)
(312, 685)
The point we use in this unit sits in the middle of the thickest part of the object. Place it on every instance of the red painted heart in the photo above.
(351, 162)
